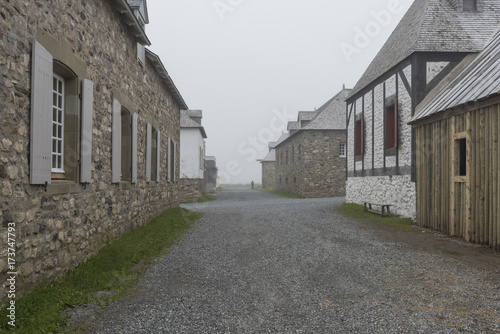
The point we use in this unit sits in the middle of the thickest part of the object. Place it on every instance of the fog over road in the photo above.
(259, 263)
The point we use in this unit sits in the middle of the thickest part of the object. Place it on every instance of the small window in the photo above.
(461, 149)
(391, 127)
(342, 150)
(141, 54)
(57, 124)
(470, 5)
(359, 137)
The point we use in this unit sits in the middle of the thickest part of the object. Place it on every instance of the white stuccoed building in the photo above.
(192, 162)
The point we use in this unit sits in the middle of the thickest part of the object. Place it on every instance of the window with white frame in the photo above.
(57, 124)
(61, 126)
(342, 150)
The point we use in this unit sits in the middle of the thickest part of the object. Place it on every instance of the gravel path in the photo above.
(259, 263)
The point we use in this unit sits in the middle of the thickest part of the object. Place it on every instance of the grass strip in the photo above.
(282, 193)
(114, 269)
(356, 211)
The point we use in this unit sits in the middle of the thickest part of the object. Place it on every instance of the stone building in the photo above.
(192, 146)
(90, 131)
(311, 161)
(431, 39)
(211, 173)
(269, 167)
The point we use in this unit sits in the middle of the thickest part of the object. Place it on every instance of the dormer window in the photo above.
(470, 5)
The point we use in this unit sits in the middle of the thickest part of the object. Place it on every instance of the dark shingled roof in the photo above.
(433, 26)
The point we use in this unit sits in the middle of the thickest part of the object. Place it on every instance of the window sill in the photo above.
(63, 187)
(391, 151)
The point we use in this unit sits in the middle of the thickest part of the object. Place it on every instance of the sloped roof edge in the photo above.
(162, 72)
(129, 18)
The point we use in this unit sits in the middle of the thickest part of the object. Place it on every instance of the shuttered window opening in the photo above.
(359, 137)
(152, 159)
(391, 127)
(57, 124)
(60, 132)
(149, 135)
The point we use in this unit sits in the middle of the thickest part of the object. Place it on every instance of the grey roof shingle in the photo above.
(270, 157)
(188, 122)
(433, 26)
(331, 115)
(478, 81)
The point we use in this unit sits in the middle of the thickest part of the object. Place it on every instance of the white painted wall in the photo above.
(397, 190)
(191, 143)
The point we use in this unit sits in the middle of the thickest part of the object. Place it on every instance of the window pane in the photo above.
(54, 84)
(54, 130)
(59, 131)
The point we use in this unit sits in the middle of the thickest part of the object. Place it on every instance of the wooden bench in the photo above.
(385, 208)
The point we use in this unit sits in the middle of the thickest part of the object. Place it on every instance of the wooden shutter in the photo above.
(86, 137)
(173, 160)
(41, 116)
(169, 160)
(362, 136)
(148, 152)
(116, 149)
(158, 156)
(134, 148)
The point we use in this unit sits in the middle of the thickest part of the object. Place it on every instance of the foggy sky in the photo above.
(251, 65)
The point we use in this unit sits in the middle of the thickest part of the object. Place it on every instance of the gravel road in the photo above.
(259, 263)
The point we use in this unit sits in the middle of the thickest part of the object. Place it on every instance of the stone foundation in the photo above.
(190, 189)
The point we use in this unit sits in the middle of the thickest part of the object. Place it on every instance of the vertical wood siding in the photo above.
(463, 206)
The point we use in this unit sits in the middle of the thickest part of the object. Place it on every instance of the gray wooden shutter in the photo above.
(148, 152)
(116, 149)
(158, 164)
(134, 148)
(174, 167)
(169, 160)
(41, 116)
(86, 141)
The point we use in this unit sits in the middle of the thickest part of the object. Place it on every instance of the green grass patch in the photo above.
(115, 270)
(282, 193)
(356, 211)
(207, 197)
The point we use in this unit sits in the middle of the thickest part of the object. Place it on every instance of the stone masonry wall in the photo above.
(315, 168)
(58, 229)
(268, 174)
(190, 189)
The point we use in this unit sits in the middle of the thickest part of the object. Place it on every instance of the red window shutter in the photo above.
(391, 127)
(359, 137)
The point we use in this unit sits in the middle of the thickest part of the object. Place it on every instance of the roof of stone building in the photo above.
(306, 115)
(331, 115)
(433, 26)
(189, 123)
(270, 157)
(293, 125)
(125, 9)
(162, 72)
(478, 81)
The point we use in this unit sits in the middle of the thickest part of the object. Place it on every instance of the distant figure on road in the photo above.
(252, 184)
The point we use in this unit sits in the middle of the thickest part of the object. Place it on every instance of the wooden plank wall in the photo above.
(466, 207)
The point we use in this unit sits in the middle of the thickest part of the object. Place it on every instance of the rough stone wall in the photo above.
(190, 189)
(396, 190)
(315, 169)
(268, 174)
(61, 228)
(373, 160)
